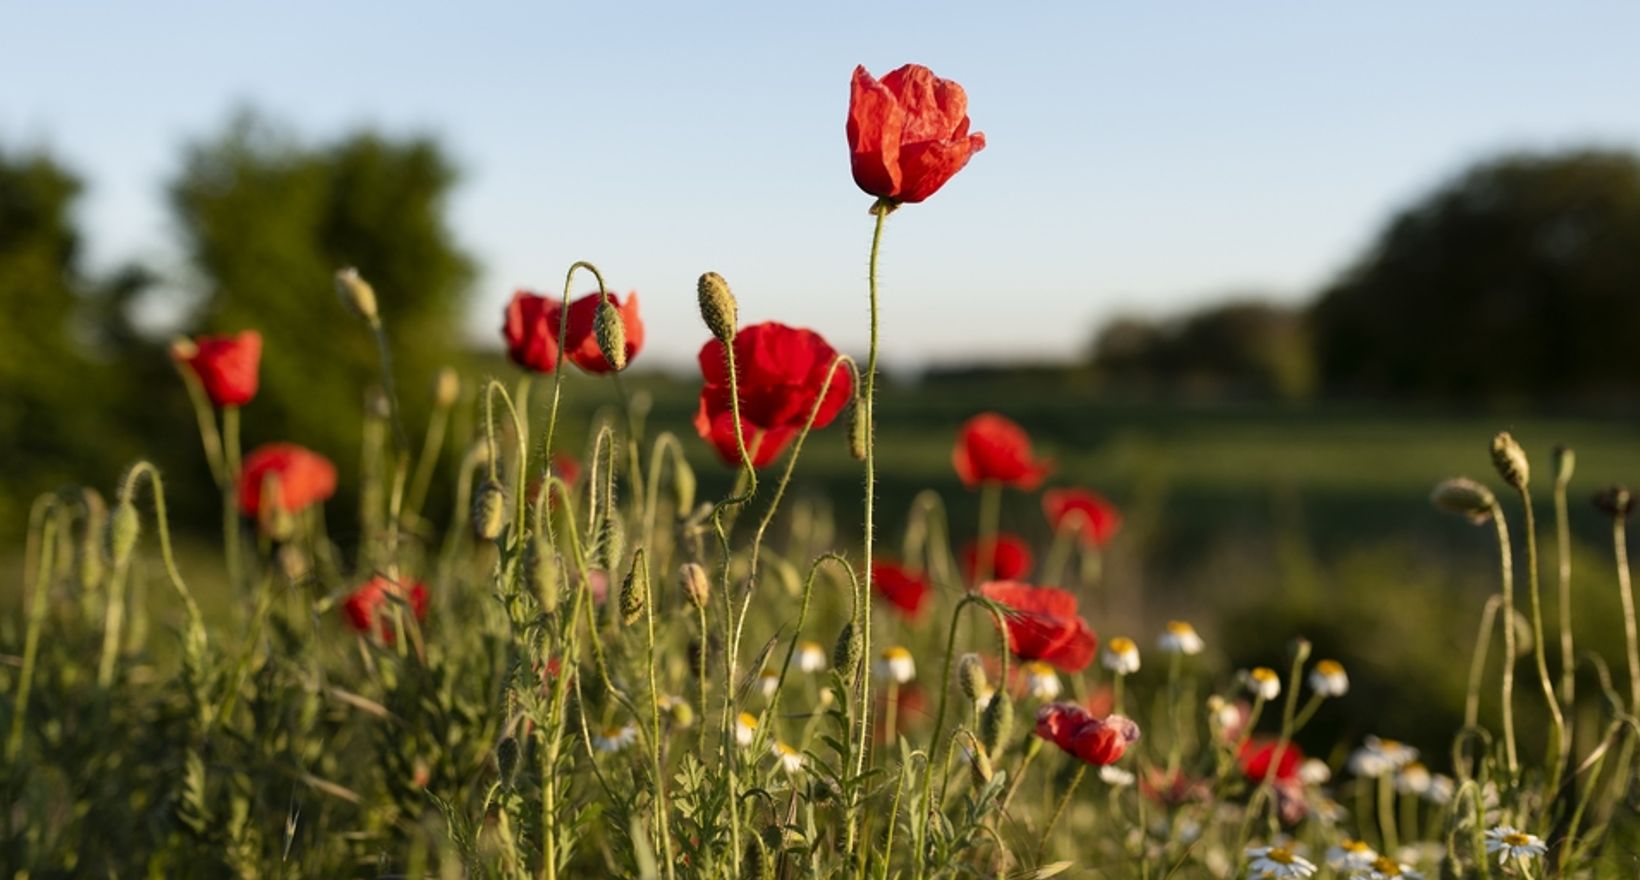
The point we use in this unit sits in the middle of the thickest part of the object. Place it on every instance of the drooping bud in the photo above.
(846, 653)
(979, 763)
(1565, 463)
(356, 293)
(489, 510)
(683, 485)
(1614, 501)
(997, 722)
(859, 428)
(717, 307)
(696, 587)
(542, 572)
(123, 530)
(634, 597)
(611, 543)
(611, 334)
(971, 677)
(1510, 460)
(446, 387)
(91, 545)
(1465, 497)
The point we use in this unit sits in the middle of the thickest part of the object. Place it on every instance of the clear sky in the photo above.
(1141, 156)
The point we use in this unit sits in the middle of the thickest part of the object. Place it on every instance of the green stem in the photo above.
(230, 497)
(1047, 832)
(31, 643)
(990, 517)
(1507, 571)
(868, 402)
(1563, 545)
(1625, 589)
(432, 445)
(1559, 743)
(1477, 662)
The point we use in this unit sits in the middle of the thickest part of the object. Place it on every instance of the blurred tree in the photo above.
(1247, 347)
(268, 221)
(1516, 278)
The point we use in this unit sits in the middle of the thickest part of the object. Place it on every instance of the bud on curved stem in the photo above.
(357, 294)
(1510, 460)
(717, 307)
(611, 334)
(489, 510)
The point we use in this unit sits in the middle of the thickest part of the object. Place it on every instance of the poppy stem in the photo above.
(36, 622)
(1506, 568)
(869, 400)
(990, 517)
(1477, 662)
(1559, 745)
(1631, 636)
(1047, 831)
(1563, 559)
(230, 495)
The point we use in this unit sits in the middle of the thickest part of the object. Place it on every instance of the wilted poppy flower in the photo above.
(367, 610)
(1011, 559)
(907, 133)
(531, 331)
(305, 477)
(1094, 519)
(780, 371)
(1259, 756)
(581, 341)
(1096, 741)
(1043, 625)
(991, 448)
(227, 366)
(900, 587)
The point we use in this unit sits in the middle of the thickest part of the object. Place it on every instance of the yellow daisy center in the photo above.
(1180, 628)
(1329, 668)
(897, 653)
(1386, 866)
(1122, 645)
(1280, 855)
(749, 720)
(1517, 839)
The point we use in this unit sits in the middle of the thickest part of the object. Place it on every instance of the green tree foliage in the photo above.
(1246, 347)
(268, 221)
(1517, 278)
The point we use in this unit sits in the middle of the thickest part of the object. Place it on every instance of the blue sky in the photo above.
(1139, 158)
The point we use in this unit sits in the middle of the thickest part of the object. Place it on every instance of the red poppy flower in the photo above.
(305, 477)
(531, 331)
(226, 365)
(780, 371)
(581, 341)
(1258, 756)
(368, 610)
(901, 587)
(1043, 625)
(1096, 741)
(1093, 518)
(1011, 558)
(993, 449)
(907, 133)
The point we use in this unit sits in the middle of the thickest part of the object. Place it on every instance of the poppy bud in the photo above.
(356, 293)
(634, 597)
(540, 570)
(611, 543)
(506, 758)
(859, 429)
(489, 510)
(845, 654)
(1465, 497)
(717, 306)
(696, 587)
(971, 676)
(611, 334)
(997, 722)
(184, 349)
(293, 562)
(683, 485)
(446, 387)
(980, 764)
(1565, 463)
(1510, 460)
(755, 863)
(1614, 501)
(123, 531)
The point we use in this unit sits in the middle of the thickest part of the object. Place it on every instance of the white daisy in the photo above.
(1413, 779)
(791, 760)
(1121, 656)
(1041, 680)
(1350, 855)
(811, 657)
(1180, 638)
(896, 664)
(1380, 756)
(1329, 679)
(1442, 788)
(1115, 776)
(768, 681)
(745, 728)
(1386, 868)
(613, 739)
(1262, 682)
(1278, 862)
(1508, 843)
(1314, 771)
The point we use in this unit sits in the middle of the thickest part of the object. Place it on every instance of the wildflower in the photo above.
(305, 478)
(811, 657)
(991, 448)
(613, 739)
(907, 133)
(779, 373)
(1262, 682)
(1180, 638)
(1259, 758)
(367, 608)
(896, 664)
(1115, 777)
(745, 728)
(1442, 789)
(1096, 741)
(1094, 519)
(767, 681)
(1350, 855)
(1041, 681)
(1509, 843)
(1228, 717)
(1314, 771)
(227, 366)
(1278, 862)
(1386, 868)
(1043, 625)
(791, 760)
(903, 588)
(1011, 558)
(1121, 656)
(1329, 679)
(1380, 756)
(1414, 778)
(531, 331)
(581, 342)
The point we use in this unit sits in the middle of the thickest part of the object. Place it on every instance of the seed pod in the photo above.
(859, 429)
(697, 588)
(542, 572)
(611, 335)
(489, 510)
(845, 654)
(446, 387)
(1565, 463)
(634, 597)
(1510, 460)
(611, 543)
(1465, 497)
(1614, 501)
(717, 307)
(356, 293)
(996, 723)
(971, 676)
(123, 530)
